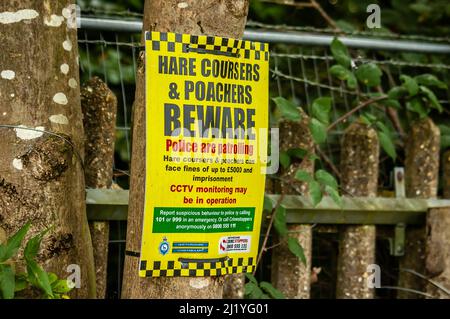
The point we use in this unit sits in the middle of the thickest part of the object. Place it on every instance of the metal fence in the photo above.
(300, 61)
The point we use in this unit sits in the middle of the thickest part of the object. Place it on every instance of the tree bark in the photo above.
(421, 181)
(41, 178)
(233, 287)
(437, 255)
(99, 105)
(359, 166)
(207, 17)
(289, 274)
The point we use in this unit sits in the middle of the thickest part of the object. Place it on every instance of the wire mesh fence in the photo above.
(299, 73)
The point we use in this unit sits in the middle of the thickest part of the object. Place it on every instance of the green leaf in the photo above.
(321, 109)
(21, 282)
(268, 205)
(251, 278)
(285, 160)
(369, 74)
(14, 243)
(61, 287)
(445, 142)
(52, 278)
(351, 81)
(280, 221)
(445, 129)
(271, 290)
(32, 246)
(39, 277)
(303, 176)
(334, 194)
(315, 192)
(318, 131)
(416, 105)
(397, 92)
(340, 53)
(296, 249)
(392, 103)
(326, 178)
(339, 72)
(387, 144)
(432, 98)
(410, 84)
(299, 153)
(288, 110)
(253, 291)
(7, 281)
(430, 80)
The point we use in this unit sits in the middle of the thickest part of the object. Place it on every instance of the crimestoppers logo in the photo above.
(234, 244)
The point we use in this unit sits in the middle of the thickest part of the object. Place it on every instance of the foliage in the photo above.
(47, 284)
(261, 290)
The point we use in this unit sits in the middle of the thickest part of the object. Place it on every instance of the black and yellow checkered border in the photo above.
(176, 42)
(173, 268)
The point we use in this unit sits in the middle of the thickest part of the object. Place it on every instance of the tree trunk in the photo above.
(209, 17)
(41, 178)
(359, 165)
(421, 177)
(99, 105)
(233, 287)
(289, 274)
(437, 260)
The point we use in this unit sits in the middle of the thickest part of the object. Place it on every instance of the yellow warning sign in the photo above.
(206, 154)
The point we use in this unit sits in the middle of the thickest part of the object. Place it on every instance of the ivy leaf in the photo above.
(340, 53)
(303, 176)
(321, 109)
(430, 80)
(287, 109)
(315, 193)
(334, 194)
(296, 249)
(339, 72)
(13, 244)
(410, 84)
(432, 98)
(285, 160)
(318, 131)
(7, 281)
(415, 105)
(39, 277)
(21, 282)
(387, 144)
(326, 178)
(271, 290)
(280, 221)
(397, 92)
(369, 74)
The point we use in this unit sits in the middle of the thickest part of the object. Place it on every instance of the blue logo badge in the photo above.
(164, 246)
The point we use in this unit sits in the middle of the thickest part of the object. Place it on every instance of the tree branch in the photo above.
(356, 109)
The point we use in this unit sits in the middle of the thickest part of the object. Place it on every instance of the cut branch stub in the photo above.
(289, 274)
(99, 105)
(421, 179)
(359, 177)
